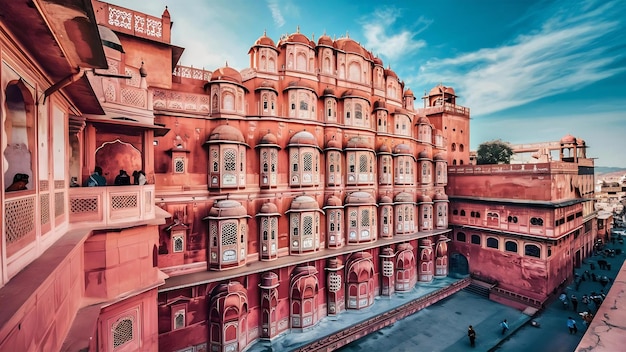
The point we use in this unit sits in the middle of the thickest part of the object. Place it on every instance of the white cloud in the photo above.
(275, 8)
(569, 51)
(380, 41)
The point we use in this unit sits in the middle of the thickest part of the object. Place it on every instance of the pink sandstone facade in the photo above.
(291, 191)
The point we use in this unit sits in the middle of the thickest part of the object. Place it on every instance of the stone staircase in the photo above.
(479, 288)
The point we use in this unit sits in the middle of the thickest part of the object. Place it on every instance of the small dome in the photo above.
(359, 143)
(302, 203)
(299, 84)
(333, 201)
(325, 40)
(450, 90)
(267, 85)
(297, 38)
(440, 197)
(568, 139)
(424, 199)
(439, 157)
(334, 143)
(350, 46)
(402, 149)
(384, 149)
(360, 197)
(423, 120)
(440, 88)
(226, 74)
(226, 133)
(269, 138)
(303, 138)
(227, 209)
(423, 155)
(403, 247)
(305, 270)
(328, 92)
(580, 142)
(380, 105)
(409, 93)
(225, 289)
(268, 208)
(355, 93)
(378, 61)
(389, 73)
(269, 280)
(403, 197)
(387, 252)
(384, 200)
(264, 40)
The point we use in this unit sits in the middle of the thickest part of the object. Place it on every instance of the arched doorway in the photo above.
(459, 266)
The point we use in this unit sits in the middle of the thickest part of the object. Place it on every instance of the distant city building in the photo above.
(265, 200)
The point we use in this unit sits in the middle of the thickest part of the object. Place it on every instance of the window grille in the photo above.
(363, 163)
(307, 160)
(230, 160)
(179, 319)
(365, 217)
(229, 234)
(179, 165)
(308, 225)
(178, 244)
(122, 332)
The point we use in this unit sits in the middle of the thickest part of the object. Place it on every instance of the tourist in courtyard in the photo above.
(574, 301)
(505, 326)
(471, 333)
(571, 325)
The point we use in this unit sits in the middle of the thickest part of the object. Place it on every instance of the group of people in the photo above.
(96, 179)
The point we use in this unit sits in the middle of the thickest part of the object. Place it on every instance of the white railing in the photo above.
(111, 205)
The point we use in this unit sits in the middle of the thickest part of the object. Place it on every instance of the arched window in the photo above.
(476, 239)
(510, 246)
(492, 242)
(453, 147)
(532, 250)
(123, 332)
(460, 237)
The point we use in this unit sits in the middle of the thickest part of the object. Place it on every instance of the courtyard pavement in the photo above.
(443, 326)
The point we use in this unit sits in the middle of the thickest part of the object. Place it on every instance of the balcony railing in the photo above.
(111, 205)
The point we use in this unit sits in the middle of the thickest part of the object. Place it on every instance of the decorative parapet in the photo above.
(187, 102)
(191, 72)
(538, 168)
(136, 23)
(446, 108)
(112, 204)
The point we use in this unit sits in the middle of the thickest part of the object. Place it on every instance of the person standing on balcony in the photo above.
(96, 179)
(139, 177)
(122, 179)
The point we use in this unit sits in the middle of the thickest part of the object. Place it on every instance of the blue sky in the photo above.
(530, 71)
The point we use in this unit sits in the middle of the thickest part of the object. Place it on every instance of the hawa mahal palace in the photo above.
(306, 186)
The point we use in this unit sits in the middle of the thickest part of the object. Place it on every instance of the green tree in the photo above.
(494, 152)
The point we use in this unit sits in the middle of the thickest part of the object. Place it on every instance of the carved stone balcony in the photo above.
(111, 205)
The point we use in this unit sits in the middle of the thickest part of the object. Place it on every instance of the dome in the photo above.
(267, 85)
(303, 203)
(325, 40)
(437, 90)
(402, 149)
(355, 93)
(299, 84)
(423, 155)
(387, 252)
(409, 93)
(350, 46)
(328, 92)
(109, 38)
(440, 197)
(439, 157)
(424, 199)
(450, 90)
(303, 138)
(269, 139)
(334, 143)
(297, 38)
(378, 61)
(568, 139)
(403, 247)
(269, 208)
(264, 40)
(384, 149)
(226, 74)
(306, 270)
(423, 120)
(384, 200)
(359, 143)
(227, 209)
(380, 105)
(390, 73)
(269, 280)
(333, 201)
(580, 142)
(226, 133)
(403, 197)
(225, 289)
(361, 198)
(334, 263)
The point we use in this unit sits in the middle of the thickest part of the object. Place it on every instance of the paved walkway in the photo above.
(443, 326)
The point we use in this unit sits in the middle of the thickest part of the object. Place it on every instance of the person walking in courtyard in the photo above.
(505, 326)
(571, 325)
(574, 301)
(471, 333)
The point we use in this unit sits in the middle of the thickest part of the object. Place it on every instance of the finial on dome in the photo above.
(265, 32)
(298, 29)
(142, 71)
(166, 13)
(347, 34)
(226, 63)
(313, 36)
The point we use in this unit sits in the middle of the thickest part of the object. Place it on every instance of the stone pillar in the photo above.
(387, 257)
(269, 303)
(425, 266)
(336, 294)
